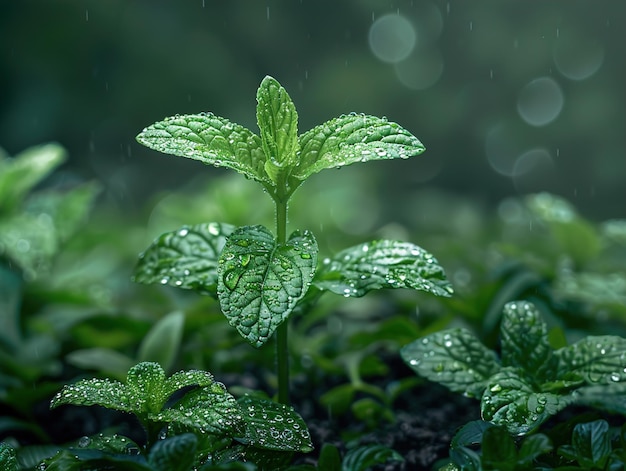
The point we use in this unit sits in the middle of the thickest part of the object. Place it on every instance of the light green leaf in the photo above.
(21, 173)
(511, 401)
(382, 264)
(260, 281)
(454, 358)
(273, 426)
(162, 342)
(525, 341)
(208, 409)
(101, 392)
(278, 124)
(104, 360)
(596, 359)
(176, 453)
(353, 138)
(210, 139)
(145, 383)
(185, 258)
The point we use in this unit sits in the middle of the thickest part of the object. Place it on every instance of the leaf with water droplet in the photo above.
(382, 264)
(176, 453)
(278, 123)
(595, 359)
(512, 401)
(274, 426)
(525, 341)
(353, 138)
(454, 358)
(258, 295)
(186, 258)
(210, 139)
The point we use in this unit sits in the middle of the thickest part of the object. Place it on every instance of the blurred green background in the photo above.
(509, 97)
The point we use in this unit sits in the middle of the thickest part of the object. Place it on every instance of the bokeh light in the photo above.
(392, 38)
(540, 102)
(420, 70)
(578, 59)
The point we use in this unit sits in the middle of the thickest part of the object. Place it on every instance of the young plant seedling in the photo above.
(189, 402)
(261, 277)
(531, 381)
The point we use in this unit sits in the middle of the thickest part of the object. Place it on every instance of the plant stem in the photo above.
(282, 351)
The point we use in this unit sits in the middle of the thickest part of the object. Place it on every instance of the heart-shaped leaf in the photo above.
(382, 264)
(353, 138)
(185, 258)
(210, 139)
(261, 281)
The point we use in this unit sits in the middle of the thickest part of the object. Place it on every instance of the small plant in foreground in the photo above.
(531, 380)
(260, 277)
(187, 416)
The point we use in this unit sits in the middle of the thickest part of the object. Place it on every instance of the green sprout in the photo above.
(261, 277)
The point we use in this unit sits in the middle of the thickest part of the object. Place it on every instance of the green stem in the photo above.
(282, 351)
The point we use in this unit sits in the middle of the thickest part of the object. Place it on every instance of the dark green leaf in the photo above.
(534, 446)
(260, 281)
(273, 426)
(382, 264)
(174, 454)
(592, 443)
(183, 379)
(498, 450)
(364, 457)
(278, 124)
(330, 459)
(353, 138)
(510, 400)
(162, 342)
(185, 258)
(525, 341)
(454, 358)
(598, 360)
(210, 139)
(470, 434)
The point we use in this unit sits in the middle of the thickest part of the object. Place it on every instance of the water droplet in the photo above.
(495, 388)
(84, 442)
(183, 232)
(231, 278)
(244, 259)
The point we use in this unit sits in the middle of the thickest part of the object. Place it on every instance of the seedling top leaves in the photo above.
(279, 159)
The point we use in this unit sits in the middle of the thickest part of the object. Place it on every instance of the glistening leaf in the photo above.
(101, 392)
(382, 264)
(353, 138)
(273, 426)
(591, 443)
(278, 124)
(210, 139)
(511, 401)
(525, 341)
(596, 359)
(261, 281)
(174, 454)
(185, 258)
(454, 358)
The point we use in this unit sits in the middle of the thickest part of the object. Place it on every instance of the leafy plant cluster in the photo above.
(525, 360)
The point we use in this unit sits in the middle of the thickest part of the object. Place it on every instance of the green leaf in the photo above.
(8, 460)
(174, 454)
(365, 457)
(525, 341)
(101, 392)
(592, 443)
(534, 446)
(185, 258)
(260, 282)
(273, 426)
(162, 342)
(353, 138)
(183, 379)
(382, 264)
(596, 359)
(330, 459)
(104, 360)
(145, 383)
(209, 409)
(21, 173)
(454, 358)
(278, 122)
(498, 450)
(210, 139)
(510, 400)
